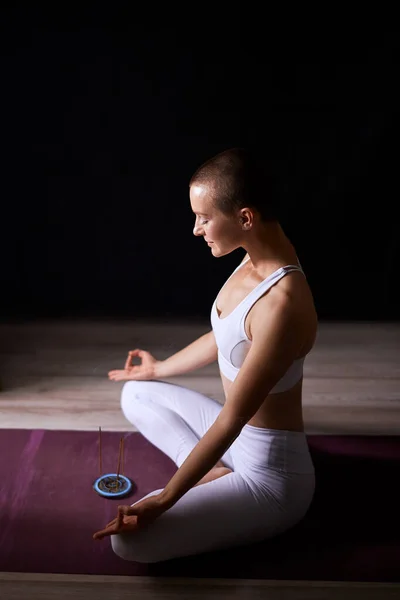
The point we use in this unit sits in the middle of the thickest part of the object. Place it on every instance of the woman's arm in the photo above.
(207, 452)
(199, 353)
(276, 341)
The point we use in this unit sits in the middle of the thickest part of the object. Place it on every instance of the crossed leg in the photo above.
(220, 511)
(171, 417)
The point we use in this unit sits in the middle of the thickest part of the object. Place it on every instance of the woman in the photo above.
(245, 472)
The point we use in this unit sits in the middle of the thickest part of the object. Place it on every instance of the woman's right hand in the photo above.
(142, 372)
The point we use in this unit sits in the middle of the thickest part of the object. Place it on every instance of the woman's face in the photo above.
(219, 231)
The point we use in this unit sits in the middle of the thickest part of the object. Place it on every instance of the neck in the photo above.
(268, 244)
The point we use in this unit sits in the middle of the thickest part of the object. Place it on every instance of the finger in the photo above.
(112, 527)
(127, 510)
(131, 354)
(120, 519)
(131, 526)
(128, 361)
(120, 375)
(114, 374)
(99, 535)
(111, 523)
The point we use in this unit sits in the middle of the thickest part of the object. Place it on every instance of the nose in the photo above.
(197, 230)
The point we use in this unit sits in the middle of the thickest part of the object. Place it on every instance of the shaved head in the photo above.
(235, 179)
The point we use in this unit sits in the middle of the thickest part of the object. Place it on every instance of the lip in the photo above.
(209, 242)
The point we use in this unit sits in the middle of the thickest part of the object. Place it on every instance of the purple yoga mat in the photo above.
(49, 511)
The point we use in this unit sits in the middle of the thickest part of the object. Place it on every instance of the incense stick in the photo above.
(119, 457)
(100, 453)
(122, 457)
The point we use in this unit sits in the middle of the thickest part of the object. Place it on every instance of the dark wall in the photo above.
(106, 116)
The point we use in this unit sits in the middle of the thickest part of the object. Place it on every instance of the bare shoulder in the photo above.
(288, 306)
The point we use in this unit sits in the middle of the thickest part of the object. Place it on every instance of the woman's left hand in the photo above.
(132, 518)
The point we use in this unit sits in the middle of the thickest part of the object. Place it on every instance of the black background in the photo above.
(106, 113)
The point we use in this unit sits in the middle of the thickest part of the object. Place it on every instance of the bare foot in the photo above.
(215, 473)
(219, 464)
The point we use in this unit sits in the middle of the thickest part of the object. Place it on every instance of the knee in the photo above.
(128, 392)
(134, 550)
(130, 397)
(121, 548)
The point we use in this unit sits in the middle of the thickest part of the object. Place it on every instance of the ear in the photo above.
(246, 219)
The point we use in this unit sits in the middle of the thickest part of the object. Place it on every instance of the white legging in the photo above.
(269, 490)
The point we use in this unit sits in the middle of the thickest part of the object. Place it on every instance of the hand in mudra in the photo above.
(132, 518)
(142, 372)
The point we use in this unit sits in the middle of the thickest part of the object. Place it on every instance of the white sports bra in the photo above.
(231, 338)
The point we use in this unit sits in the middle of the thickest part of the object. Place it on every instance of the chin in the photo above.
(217, 252)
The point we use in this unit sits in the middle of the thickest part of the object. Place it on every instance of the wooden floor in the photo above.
(53, 375)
